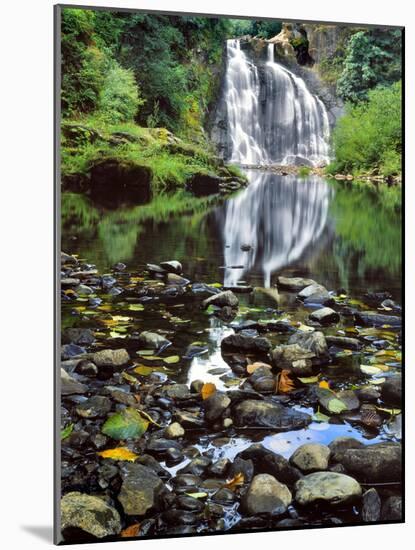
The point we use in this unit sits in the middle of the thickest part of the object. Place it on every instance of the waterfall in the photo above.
(272, 116)
(279, 217)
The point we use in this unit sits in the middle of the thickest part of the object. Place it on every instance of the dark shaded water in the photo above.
(343, 235)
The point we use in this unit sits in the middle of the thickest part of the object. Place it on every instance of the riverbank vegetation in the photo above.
(366, 72)
(136, 90)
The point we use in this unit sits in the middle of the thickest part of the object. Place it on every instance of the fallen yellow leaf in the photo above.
(131, 531)
(119, 453)
(235, 482)
(284, 383)
(324, 384)
(207, 390)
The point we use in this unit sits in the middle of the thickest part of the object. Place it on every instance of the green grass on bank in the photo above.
(90, 139)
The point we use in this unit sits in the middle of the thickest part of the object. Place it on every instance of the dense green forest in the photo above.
(142, 87)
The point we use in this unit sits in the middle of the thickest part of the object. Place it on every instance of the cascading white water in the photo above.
(279, 217)
(273, 118)
(242, 92)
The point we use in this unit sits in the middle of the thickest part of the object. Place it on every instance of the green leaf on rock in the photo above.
(336, 406)
(127, 424)
(320, 417)
(66, 432)
(197, 495)
(309, 379)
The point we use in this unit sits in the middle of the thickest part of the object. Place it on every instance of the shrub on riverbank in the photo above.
(369, 136)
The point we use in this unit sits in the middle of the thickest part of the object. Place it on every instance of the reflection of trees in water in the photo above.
(368, 233)
(164, 228)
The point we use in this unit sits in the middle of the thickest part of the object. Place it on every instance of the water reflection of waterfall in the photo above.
(272, 118)
(279, 217)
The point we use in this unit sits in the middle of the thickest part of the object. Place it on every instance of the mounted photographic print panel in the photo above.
(229, 204)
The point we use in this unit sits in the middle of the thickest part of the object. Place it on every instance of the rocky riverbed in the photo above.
(190, 408)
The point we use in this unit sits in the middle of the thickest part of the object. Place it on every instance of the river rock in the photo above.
(172, 266)
(341, 444)
(315, 294)
(266, 495)
(392, 509)
(268, 462)
(226, 298)
(252, 412)
(215, 405)
(242, 466)
(177, 391)
(90, 514)
(174, 430)
(220, 467)
(174, 279)
(392, 391)
(371, 506)
(110, 357)
(68, 259)
(70, 385)
(311, 457)
(96, 406)
(153, 340)
(380, 462)
(71, 350)
(79, 336)
(325, 316)
(326, 486)
(344, 342)
(373, 319)
(294, 283)
(84, 290)
(141, 489)
(287, 356)
(240, 342)
(314, 342)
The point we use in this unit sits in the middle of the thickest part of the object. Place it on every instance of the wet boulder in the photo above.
(96, 406)
(152, 340)
(341, 444)
(268, 462)
(325, 316)
(373, 319)
(222, 299)
(172, 266)
(344, 342)
(371, 506)
(266, 495)
(90, 514)
(215, 405)
(392, 391)
(329, 487)
(311, 457)
(242, 343)
(110, 357)
(293, 357)
(69, 385)
(392, 509)
(79, 336)
(314, 342)
(141, 489)
(380, 462)
(252, 412)
(294, 283)
(315, 294)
